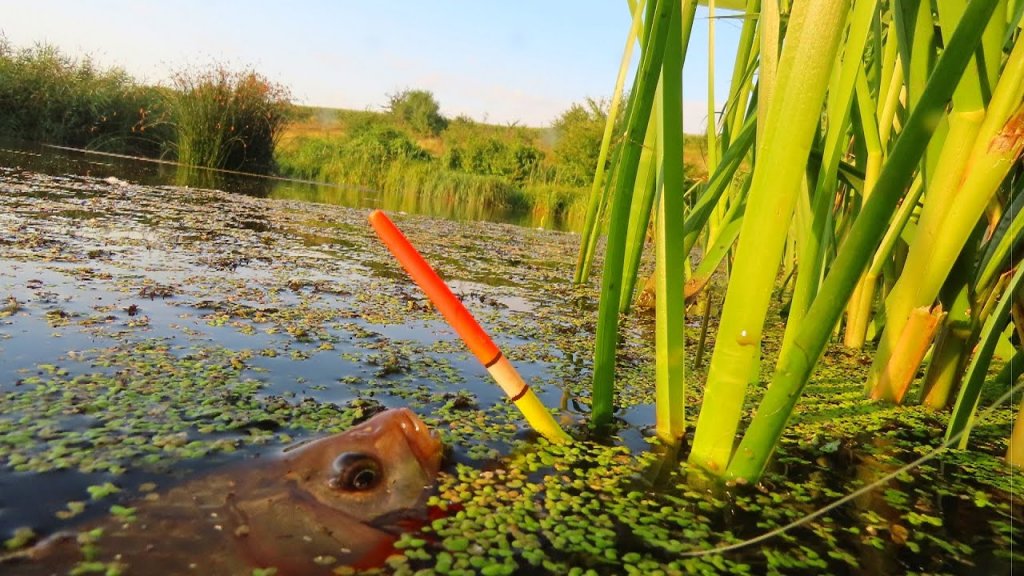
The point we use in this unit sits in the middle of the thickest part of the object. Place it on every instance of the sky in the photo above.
(508, 61)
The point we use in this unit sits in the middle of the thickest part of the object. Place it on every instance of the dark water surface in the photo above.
(151, 332)
(61, 160)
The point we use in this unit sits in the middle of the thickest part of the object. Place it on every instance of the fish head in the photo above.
(378, 468)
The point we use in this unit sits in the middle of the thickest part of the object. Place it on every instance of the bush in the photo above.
(382, 145)
(419, 110)
(225, 119)
(362, 157)
(578, 133)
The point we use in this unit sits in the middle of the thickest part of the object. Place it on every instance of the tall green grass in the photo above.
(226, 119)
(47, 96)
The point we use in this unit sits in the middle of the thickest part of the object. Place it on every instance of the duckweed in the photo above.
(179, 334)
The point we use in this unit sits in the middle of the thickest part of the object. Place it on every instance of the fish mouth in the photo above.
(424, 442)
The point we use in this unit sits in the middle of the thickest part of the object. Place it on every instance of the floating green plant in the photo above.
(194, 386)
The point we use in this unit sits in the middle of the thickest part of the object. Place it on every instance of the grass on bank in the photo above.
(213, 117)
(479, 166)
(47, 96)
(239, 120)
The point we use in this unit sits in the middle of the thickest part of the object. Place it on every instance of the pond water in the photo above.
(62, 160)
(151, 333)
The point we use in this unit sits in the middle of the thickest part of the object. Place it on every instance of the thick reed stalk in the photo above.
(670, 313)
(913, 345)
(810, 49)
(797, 361)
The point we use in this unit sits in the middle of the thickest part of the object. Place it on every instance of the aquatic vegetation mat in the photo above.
(148, 334)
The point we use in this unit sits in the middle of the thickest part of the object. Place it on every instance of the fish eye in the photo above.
(355, 472)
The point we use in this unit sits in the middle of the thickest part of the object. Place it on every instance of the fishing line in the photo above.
(860, 491)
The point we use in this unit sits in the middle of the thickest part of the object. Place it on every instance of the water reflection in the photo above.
(62, 161)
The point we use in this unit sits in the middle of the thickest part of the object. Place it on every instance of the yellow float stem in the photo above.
(505, 374)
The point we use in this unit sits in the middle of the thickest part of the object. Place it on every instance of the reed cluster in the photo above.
(863, 152)
(226, 119)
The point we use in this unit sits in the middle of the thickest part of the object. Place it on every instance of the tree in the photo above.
(578, 134)
(419, 110)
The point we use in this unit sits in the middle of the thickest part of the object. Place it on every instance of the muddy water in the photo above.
(150, 332)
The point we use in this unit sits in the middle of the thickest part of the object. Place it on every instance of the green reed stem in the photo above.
(611, 287)
(797, 361)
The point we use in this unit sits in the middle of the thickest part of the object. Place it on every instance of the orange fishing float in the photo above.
(479, 343)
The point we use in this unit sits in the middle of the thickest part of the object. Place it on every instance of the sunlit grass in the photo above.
(226, 119)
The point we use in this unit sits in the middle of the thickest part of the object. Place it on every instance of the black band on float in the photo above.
(526, 388)
(493, 360)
